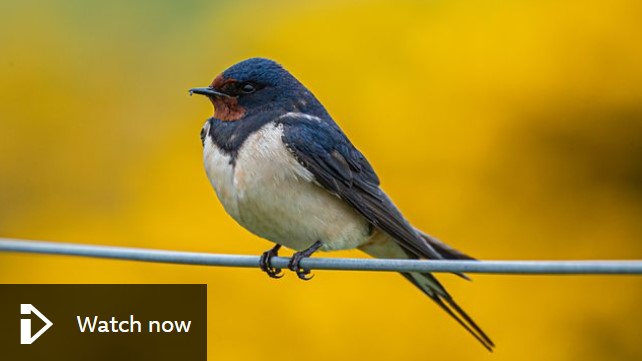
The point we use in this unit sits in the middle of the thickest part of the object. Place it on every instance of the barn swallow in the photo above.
(284, 170)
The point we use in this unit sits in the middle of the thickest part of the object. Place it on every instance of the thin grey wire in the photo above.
(589, 267)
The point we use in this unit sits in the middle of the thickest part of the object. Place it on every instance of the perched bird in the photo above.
(284, 170)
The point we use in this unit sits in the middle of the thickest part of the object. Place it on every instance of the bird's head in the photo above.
(254, 85)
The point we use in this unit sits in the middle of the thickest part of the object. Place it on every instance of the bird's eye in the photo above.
(248, 88)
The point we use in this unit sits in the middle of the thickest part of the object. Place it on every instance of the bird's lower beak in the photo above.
(207, 91)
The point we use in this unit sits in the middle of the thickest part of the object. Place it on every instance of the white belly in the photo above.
(273, 196)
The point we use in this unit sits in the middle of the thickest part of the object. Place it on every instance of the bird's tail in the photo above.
(382, 246)
(429, 285)
(443, 249)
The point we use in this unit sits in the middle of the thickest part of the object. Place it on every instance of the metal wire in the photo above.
(619, 267)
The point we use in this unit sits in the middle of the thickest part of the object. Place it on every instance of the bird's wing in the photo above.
(323, 149)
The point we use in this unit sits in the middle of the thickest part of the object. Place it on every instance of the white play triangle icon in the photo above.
(26, 338)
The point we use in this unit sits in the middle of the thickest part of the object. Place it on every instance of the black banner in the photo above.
(103, 322)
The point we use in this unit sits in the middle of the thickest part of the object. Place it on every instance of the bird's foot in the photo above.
(294, 266)
(265, 262)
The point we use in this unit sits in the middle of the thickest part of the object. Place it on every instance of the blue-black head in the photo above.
(256, 85)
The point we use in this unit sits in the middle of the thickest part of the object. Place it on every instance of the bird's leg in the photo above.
(298, 256)
(265, 262)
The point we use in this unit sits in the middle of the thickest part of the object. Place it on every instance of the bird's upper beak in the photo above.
(209, 91)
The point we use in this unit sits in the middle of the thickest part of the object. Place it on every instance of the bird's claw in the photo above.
(266, 265)
(294, 266)
(304, 274)
(295, 261)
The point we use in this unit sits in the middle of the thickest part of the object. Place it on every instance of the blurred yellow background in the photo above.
(510, 129)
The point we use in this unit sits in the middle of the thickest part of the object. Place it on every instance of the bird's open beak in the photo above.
(210, 92)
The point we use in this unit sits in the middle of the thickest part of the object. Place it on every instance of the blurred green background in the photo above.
(510, 129)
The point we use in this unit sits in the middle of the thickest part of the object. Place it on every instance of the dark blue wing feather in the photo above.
(323, 149)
